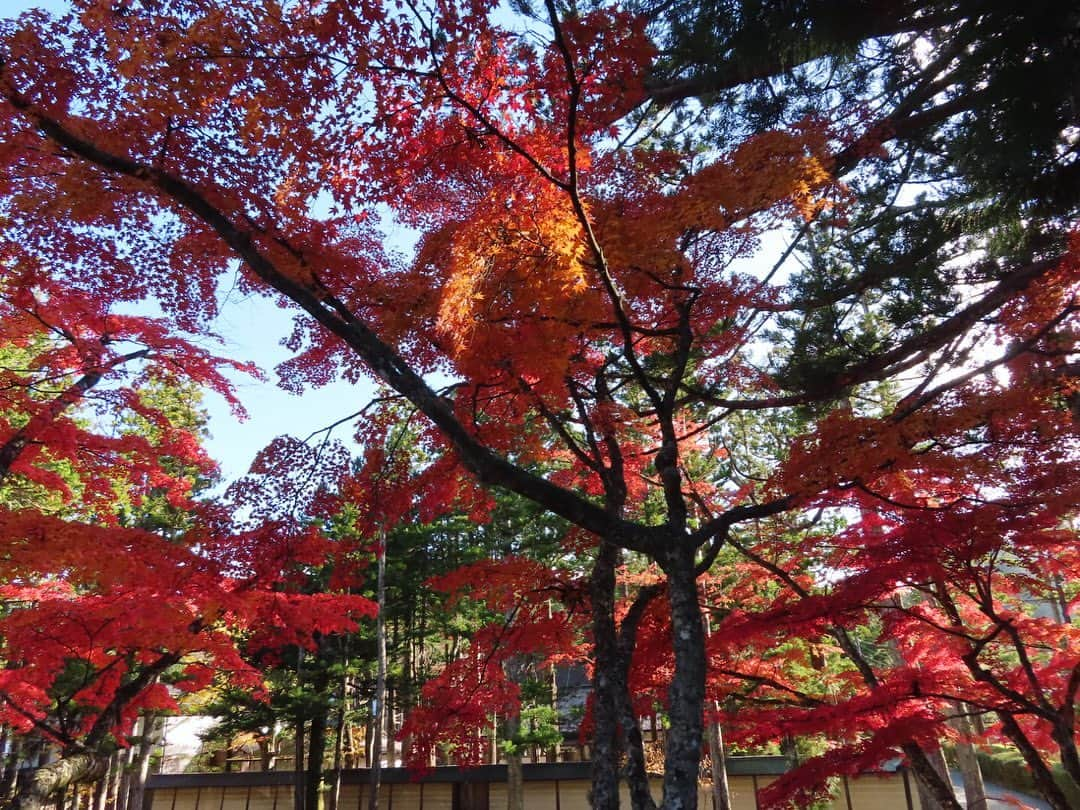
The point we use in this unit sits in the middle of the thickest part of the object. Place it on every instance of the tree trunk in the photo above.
(266, 753)
(389, 729)
(637, 776)
(968, 762)
(124, 779)
(137, 788)
(101, 789)
(515, 782)
(720, 791)
(316, 753)
(686, 695)
(932, 784)
(116, 780)
(375, 763)
(105, 787)
(11, 770)
(339, 739)
(1040, 771)
(928, 796)
(46, 784)
(299, 794)
(604, 794)
(1065, 737)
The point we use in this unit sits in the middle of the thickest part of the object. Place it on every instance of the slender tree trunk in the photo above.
(637, 776)
(126, 760)
(101, 789)
(375, 763)
(6, 738)
(316, 753)
(930, 782)
(720, 791)
(116, 780)
(515, 781)
(339, 739)
(686, 695)
(389, 729)
(604, 794)
(48, 783)
(105, 787)
(300, 794)
(974, 789)
(141, 770)
(11, 770)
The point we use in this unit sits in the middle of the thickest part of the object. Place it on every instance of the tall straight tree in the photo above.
(581, 285)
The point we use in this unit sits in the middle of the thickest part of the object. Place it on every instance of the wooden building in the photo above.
(554, 786)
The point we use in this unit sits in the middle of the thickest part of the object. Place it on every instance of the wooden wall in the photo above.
(872, 792)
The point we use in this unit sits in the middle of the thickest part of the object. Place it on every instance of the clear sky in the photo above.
(252, 329)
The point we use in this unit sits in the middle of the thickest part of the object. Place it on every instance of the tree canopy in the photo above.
(875, 425)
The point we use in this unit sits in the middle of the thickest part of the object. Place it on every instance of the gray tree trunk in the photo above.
(720, 791)
(515, 782)
(604, 794)
(299, 793)
(141, 769)
(974, 789)
(11, 770)
(380, 712)
(313, 782)
(929, 800)
(686, 695)
(116, 780)
(339, 740)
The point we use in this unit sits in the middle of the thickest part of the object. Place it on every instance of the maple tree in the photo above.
(580, 285)
(99, 612)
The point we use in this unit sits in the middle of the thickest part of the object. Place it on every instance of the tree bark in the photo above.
(44, 785)
(299, 794)
(1040, 771)
(316, 753)
(515, 781)
(1065, 737)
(604, 793)
(375, 761)
(339, 739)
(720, 790)
(11, 770)
(137, 787)
(929, 793)
(686, 695)
(974, 789)
(116, 781)
(637, 776)
(101, 789)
